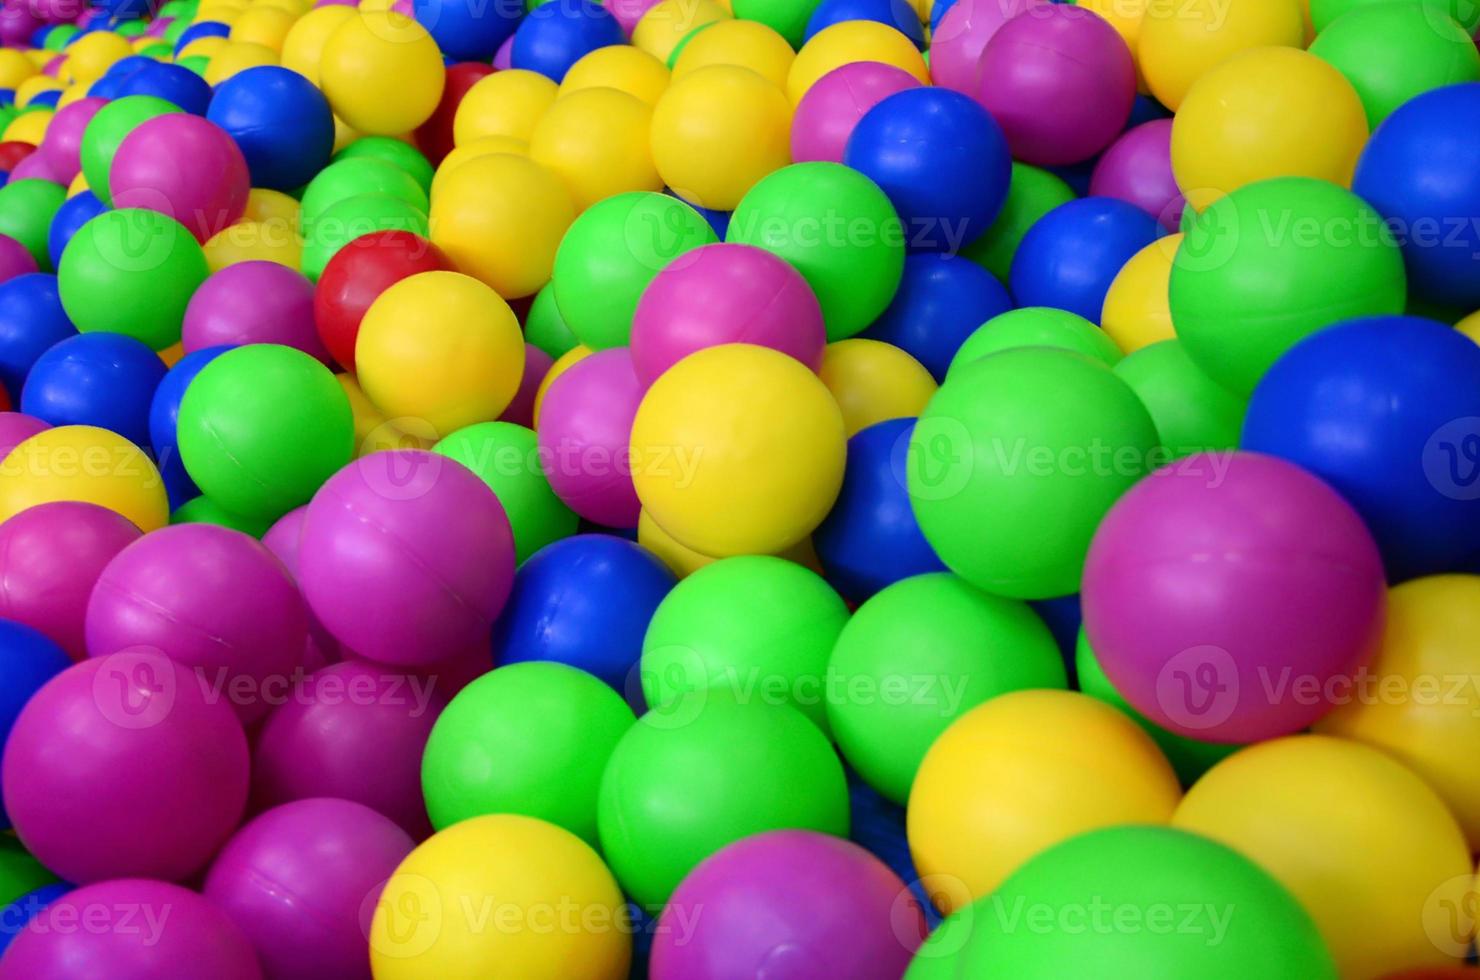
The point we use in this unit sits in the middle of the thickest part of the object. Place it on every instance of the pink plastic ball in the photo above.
(53, 67)
(725, 294)
(16, 25)
(300, 879)
(537, 364)
(1061, 83)
(629, 12)
(830, 110)
(503, 58)
(36, 167)
(16, 428)
(15, 260)
(282, 540)
(1138, 168)
(54, 554)
(131, 929)
(254, 303)
(183, 166)
(123, 766)
(406, 557)
(353, 731)
(585, 436)
(1225, 593)
(211, 598)
(63, 140)
(957, 41)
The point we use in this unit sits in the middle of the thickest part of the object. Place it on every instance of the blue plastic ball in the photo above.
(1071, 255)
(1387, 411)
(47, 99)
(175, 84)
(15, 915)
(200, 29)
(31, 322)
(555, 36)
(469, 30)
(941, 301)
(28, 659)
(942, 160)
(164, 418)
(938, 10)
(1146, 109)
(870, 539)
(584, 601)
(75, 212)
(282, 123)
(101, 379)
(898, 14)
(1421, 171)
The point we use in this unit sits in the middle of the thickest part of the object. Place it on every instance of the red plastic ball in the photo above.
(13, 152)
(434, 137)
(357, 274)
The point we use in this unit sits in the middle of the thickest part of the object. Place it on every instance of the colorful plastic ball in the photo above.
(1325, 12)
(106, 132)
(253, 303)
(746, 43)
(16, 428)
(173, 83)
(941, 300)
(1198, 650)
(468, 31)
(553, 37)
(1192, 412)
(362, 525)
(26, 211)
(506, 103)
(667, 25)
(298, 878)
(1364, 844)
(1035, 326)
(131, 271)
(357, 275)
(960, 32)
(704, 772)
(1384, 409)
(1178, 44)
(122, 766)
(1241, 295)
(20, 911)
(204, 510)
(597, 141)
(435, 136)
(873, 382)
(1418, 172)
(621, 67)
(352, 217)
(49, 466)
(189, 935)
(382, 73)
(786, 17)
(281, 122)
(16, 259)
(795, 214)
(63, 144)
(31, 321)
(75, 212)
(164, 416)
(1069, 258)
(848, 42)
(303, 45)
(897, 14)
(100, 379)
(396, 152)
(1137, 309)
(354, 176)
(442, 348)
(585, 429)
(1137, 168)
(500, 219)
(838, 910)
(535, 869)
(31, 659)
(830, 111)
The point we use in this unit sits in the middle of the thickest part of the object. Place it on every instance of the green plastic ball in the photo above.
(706, 771)
(786, 17)
(19, 871)
(506, 457)
(1192, 412)
(352, 177)
(836, 227)
(179, 8)
(1324, 13)
(1036, 326)
(1272, 263)
(530, 738)
(105, 134)
(1142, 902)
(1032, 194)
(197, 63)
(545, 327)
(131, 28)
(748, 624)
(397, 153)
(344, 221)
(159, 51)
(131, 271)
(26, 210)
(204, 510)
(1392, 52)
(58, 36)
(178, 27)
(610, 254)
(262, 427)
(1017, 458)
(918, 655)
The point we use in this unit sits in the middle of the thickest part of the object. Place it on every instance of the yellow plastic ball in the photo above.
(264, 204)
(28, 128)
(238, 56)
(255, 241)
(1364, 844)
(1123, 15)
(172, 354)
(562, 364)
(1272, 112)
(1470, 326)
(506, 103)
(34, 86)
(224, 13)
(1020, 773)
(382, 73)
(501, 896)
(738, 450)
(742, 43)
(92, 54)
(670, 21)
(71, 94)
(373, 432)
(78, 185)
(683, 561)
(40, 57)
(295, 7)
(81, 462)
(718, 131)
(874, 382)
(619, 66)
(15, 68)
(303, 46)
(487, 146)
(852, 40)
(441, 347)
(1416, 700)
(1180, 40)
(1137, 311)
(597, 141)
(267, 26)
(202, 47)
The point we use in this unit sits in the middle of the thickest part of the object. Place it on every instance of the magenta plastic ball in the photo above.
(16, 428)
(253, 303)
(300, 878)
(53, 556)
(16, 25)
(585, 436)
(15, 259)
(184, 166)
(211, 598)
(830, 110)
(353, 731)
(63, 140)
(537, 364)
(36, 167)
(1227, 593)
(406, 557)
(726, 294)
(831, 909)
(503, 58)
(1060, 82)
(956, 43)
(123, 765)
(132, 929)
(629, 12)
(282, 540)
(1138, 168)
